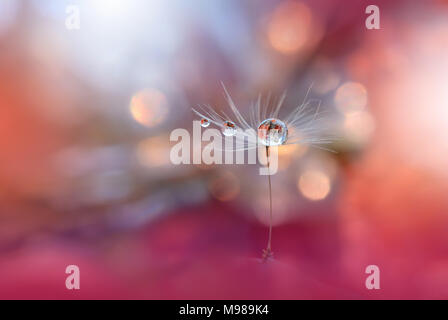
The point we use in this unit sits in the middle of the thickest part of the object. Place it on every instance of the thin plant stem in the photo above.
(268, 252)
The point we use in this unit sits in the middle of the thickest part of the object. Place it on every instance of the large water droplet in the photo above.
(272, 132)
(229, 129)
(205, 123)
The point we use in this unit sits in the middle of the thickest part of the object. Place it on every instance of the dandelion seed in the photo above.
(304, 125)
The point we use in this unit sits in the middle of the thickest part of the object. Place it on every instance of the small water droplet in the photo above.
(229, 129)
(205, 123)
(272, 132)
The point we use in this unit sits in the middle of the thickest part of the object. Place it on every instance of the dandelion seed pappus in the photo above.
(266, 128)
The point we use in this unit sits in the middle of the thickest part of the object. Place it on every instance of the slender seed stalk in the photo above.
(267, 253)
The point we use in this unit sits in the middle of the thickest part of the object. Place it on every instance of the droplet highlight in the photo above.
(229, 129)
(205, 123)
(272, 132)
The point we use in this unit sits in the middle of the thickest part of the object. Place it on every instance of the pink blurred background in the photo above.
(85, 176)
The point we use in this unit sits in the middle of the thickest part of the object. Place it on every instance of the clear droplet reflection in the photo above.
(205, 123)
(229, 129)
(272, 132)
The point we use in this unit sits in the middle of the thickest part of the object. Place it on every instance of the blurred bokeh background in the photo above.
(85, 175)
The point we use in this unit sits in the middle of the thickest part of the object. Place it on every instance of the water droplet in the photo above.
(205, 123)
(272, 132)
(229, 129)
